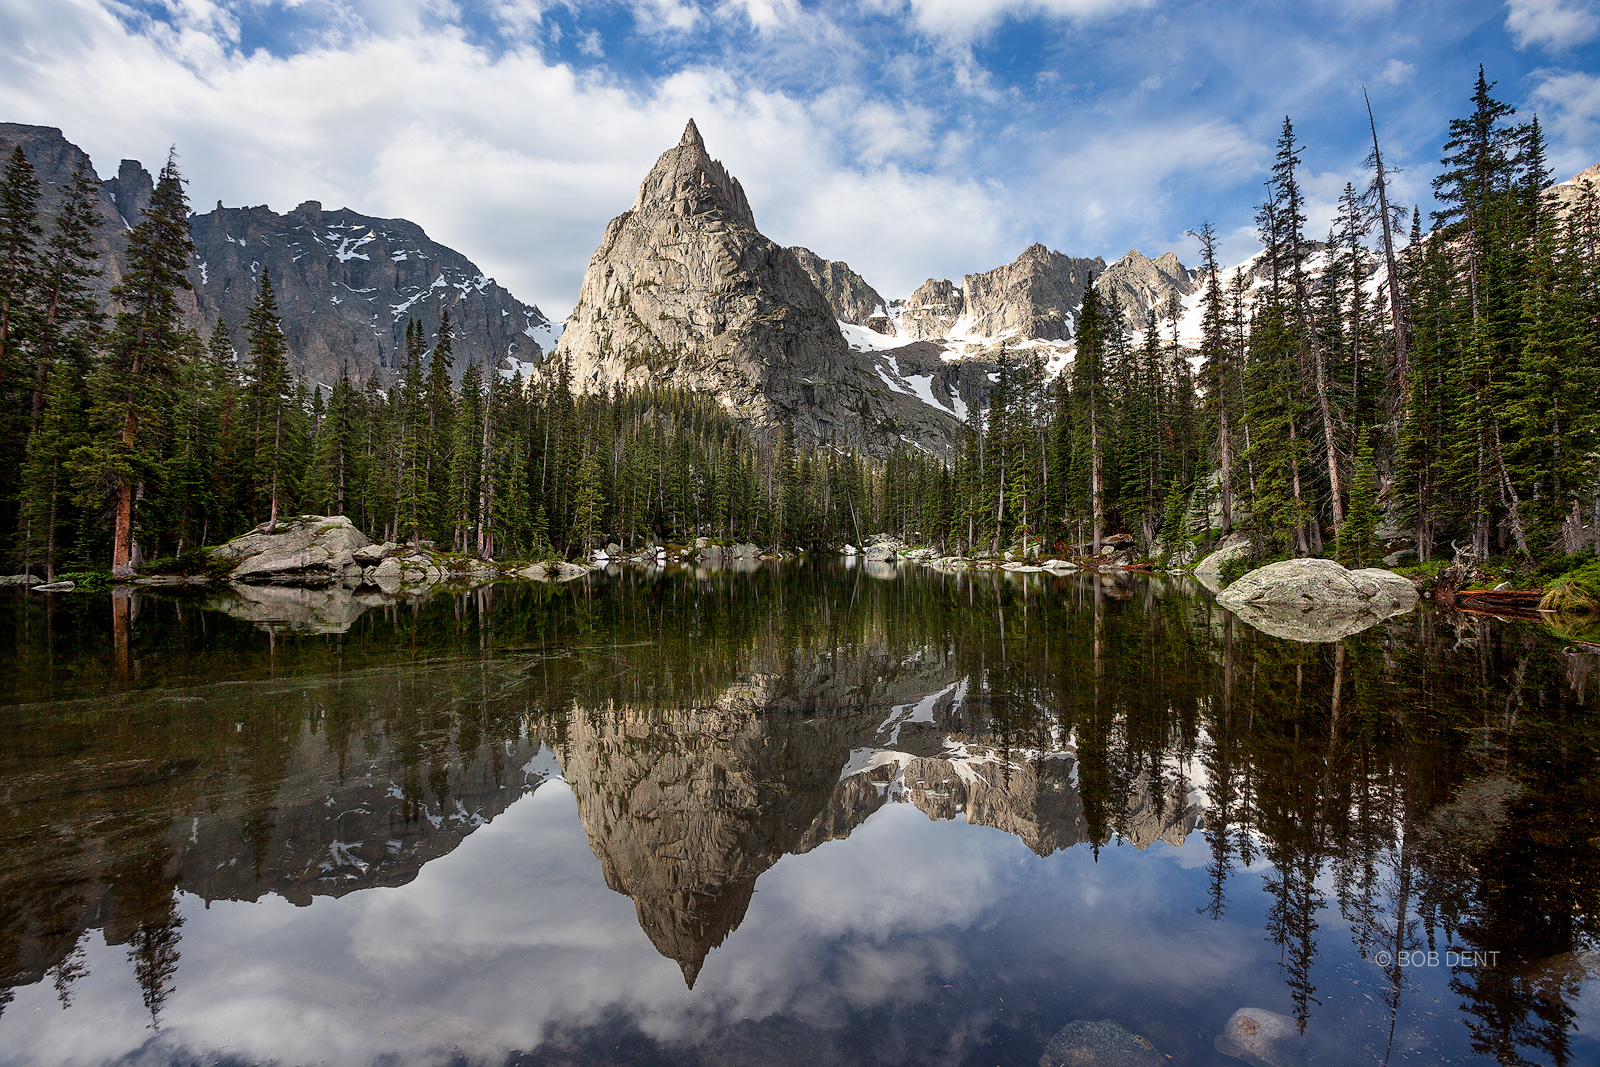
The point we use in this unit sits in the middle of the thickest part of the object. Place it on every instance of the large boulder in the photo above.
(1317, 599)
(1208, 572)
(301, 550)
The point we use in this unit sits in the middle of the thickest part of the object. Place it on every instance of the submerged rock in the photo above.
(1082, 1043)
(1262, 1038)
(30, 579)
(1316, 600)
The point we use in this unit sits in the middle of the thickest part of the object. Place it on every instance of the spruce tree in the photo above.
(271, 398)
(131, 386)
(19, 251)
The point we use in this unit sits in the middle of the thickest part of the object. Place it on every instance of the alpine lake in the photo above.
(797, 813)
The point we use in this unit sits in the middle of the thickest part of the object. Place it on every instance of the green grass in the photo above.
(86, 581)
(1576, 592)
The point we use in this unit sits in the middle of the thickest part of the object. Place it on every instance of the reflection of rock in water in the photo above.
(299, 789)
(293, 609)
(1037, 800)
(686, 808)
(1033, 800)
(340, 822)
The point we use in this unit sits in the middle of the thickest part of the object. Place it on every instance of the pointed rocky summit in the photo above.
(685, 291)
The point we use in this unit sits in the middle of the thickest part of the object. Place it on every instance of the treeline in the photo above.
(1449, 384)
(1470, 416)
(138, 438)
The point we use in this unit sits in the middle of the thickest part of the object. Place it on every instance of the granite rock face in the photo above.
(346, 283)
(852, 299)
(685, 291)
(1037, 295)
(932, 311)
(1208, 572)
(299, 550)
(1141, 283)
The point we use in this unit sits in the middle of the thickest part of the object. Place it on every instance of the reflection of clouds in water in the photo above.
(515, 931)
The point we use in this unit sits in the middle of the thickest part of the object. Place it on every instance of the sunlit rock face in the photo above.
(685, 291)
(686, 809)
(852, 299)
(1036, 295)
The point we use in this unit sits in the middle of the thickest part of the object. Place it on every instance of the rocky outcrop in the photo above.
(932, 311)
(1208, 572)
(852, 299)
(1037, 295)
(327, 550)
(122, 197)
(300, 550)
(685, 291)
(1140, 284)
(346, 283)
(1317, 599)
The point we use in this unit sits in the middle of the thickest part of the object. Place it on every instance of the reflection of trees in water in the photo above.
(1438, 777)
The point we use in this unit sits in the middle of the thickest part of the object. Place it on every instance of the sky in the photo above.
(909, 138)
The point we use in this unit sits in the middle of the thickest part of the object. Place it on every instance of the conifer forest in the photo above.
(1438, 373)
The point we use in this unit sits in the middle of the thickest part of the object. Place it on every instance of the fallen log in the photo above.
(1501, 601)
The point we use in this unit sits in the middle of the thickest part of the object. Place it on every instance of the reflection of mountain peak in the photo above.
(686, 809)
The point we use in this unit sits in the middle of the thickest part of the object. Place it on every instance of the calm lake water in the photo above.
(805, 814)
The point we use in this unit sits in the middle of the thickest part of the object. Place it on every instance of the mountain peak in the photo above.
(687, 182)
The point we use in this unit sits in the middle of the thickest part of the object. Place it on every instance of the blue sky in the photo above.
(911, 138)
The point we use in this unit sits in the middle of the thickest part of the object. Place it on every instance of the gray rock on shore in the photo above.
(1317, 600)
(300, 550)
(1208, 572)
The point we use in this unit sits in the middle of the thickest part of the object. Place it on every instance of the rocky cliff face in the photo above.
(1036, 296)
(54, 160)
(346, 283)
(852, 299)
(685, 291)
(1141, 283)
(932, 311)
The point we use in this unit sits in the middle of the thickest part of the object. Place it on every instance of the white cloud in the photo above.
(965, 19)
(1396, 72)
(1569, 103)
(1554, 24)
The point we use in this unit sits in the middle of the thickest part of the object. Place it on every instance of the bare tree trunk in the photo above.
(1328, 441)
(1402, 337)
(1096, 475)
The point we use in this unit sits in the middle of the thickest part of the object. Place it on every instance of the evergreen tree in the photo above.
(1358, 547)
(271, 398)
(130, 388)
